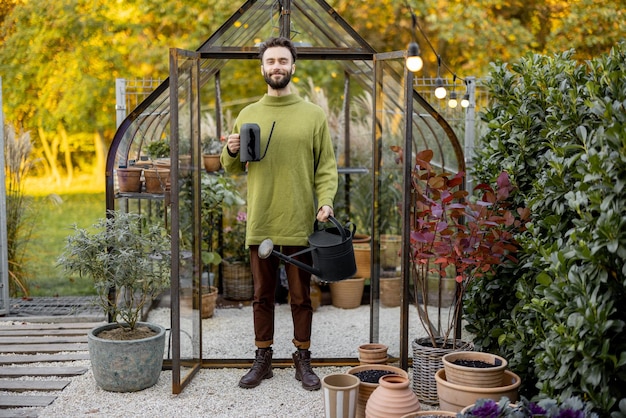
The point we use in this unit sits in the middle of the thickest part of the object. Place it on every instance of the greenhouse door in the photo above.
(185, 154)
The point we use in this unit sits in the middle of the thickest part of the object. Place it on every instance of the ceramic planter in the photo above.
(373, 353)
(468, 375)
(347, 294)
(453, 397)
(390, 291)
(366, 388)
(211, 162)
(157, 180)
(340, 393)
(393, 398)
(129, 365)
(129, 179)
(390, 251)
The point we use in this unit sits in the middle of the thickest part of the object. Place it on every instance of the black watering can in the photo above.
(332, 251)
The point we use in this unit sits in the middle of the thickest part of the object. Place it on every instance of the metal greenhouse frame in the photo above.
(195, 83)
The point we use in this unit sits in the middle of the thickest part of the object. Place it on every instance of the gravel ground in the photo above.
(215, 393)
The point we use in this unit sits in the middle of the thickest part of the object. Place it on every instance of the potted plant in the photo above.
(237, 276)
(454, 235)
(217, 192)
(211, 150)
(126, 253)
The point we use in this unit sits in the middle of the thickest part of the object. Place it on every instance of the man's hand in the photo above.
(324, 212)
(233, 143)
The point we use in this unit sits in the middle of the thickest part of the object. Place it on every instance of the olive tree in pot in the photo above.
(454, 236)
(127, 253)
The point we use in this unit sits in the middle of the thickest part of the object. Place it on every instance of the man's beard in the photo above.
(277, 84)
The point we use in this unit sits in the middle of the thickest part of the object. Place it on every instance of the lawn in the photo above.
(55, 215)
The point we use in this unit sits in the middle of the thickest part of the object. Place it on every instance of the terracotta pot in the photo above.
(391, 291)
(390, 251)
(467, 375)
(453, 397)
(340, 393)
(392, 399)
(373, 353)
(129, 179)
(157, 180)
(211, 162)
(366, 388)
(347, 294)
(363, 260)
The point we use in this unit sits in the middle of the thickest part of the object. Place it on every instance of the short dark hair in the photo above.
(278, 41)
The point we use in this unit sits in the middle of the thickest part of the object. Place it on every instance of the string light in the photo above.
(413, 60)
(452, 103)
(415, 63)
(440, 91)
(465, 101)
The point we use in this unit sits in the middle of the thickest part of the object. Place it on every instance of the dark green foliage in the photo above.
(559, 128)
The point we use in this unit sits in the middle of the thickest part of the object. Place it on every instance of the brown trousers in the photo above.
(264, 273)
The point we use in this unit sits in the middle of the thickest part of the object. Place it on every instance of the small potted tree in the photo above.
(125, 253)
(454, 235)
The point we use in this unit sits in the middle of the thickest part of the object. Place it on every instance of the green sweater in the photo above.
(296, 177)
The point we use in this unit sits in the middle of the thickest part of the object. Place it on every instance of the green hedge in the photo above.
(559, 128)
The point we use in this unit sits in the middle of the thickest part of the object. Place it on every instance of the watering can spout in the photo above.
(266, 248)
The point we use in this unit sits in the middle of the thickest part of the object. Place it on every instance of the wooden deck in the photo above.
(38, 351)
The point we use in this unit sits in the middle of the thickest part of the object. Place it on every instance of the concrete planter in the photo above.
(126, 366)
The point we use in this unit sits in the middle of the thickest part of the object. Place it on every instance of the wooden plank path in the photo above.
(22, 348)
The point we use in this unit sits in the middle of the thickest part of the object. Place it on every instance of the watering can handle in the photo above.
(341, 229)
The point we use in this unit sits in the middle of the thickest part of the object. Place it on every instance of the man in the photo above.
(292, 185)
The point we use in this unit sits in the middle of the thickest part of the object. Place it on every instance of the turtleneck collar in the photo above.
(280, 100)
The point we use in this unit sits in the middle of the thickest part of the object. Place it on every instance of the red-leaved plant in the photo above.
(453, 235)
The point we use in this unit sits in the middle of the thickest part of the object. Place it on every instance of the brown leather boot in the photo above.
(261, 369)
(304, 373)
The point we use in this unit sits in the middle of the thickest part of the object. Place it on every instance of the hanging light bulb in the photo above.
(452, 103)
(413, 60)
(440, 91)
(465, 100)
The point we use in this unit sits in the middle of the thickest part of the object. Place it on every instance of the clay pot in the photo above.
(340, 392)
(467, 375)
(373, 354)
(390, 291)
(211, 162)
(157, 180)
(347, 294)
(129, 179)
(453, 397)
(392, 399)
(390, 251)
(362, 255)
(366, 388)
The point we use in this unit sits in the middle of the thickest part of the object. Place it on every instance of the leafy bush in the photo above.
(559, 127)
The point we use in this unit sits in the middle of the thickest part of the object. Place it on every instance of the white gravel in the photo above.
(215, 393)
